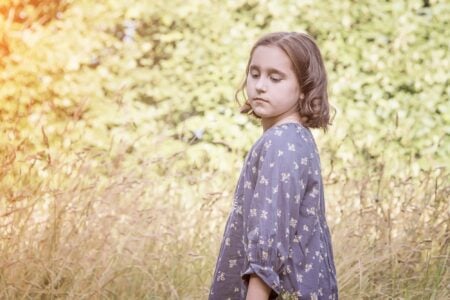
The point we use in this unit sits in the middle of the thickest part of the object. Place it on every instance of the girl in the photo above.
(276, 242)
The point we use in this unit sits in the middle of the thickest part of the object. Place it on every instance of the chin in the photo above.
(263, 115)
(259, 114)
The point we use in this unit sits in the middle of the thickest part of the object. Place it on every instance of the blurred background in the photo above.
(121, 142)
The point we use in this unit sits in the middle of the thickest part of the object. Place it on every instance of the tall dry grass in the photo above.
(93, 225)
(391, 240)
(86, 226)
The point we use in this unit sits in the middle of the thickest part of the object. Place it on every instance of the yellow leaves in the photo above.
(30, 38)
(136, 10)
(167, 20)
(208, 157)
(183, 62)
(346, 21)
(73, 64)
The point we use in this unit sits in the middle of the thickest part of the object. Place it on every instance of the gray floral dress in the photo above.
(277, 228)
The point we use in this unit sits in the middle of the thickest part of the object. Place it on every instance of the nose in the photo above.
(260, 85)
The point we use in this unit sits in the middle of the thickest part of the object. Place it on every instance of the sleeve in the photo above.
(272, 212)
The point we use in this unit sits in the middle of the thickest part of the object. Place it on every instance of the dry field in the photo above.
(82, 225)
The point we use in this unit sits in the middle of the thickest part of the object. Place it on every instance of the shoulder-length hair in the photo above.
(309, 70)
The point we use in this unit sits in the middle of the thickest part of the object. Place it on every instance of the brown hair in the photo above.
(310, 71)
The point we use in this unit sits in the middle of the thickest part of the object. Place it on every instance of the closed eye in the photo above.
(275, 79)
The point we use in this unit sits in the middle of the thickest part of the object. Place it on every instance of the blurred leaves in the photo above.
(158, 68)
(98, 71)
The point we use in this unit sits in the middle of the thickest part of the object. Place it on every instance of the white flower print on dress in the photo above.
(304, 161)
(247, 185)
(278, 132)
(288, 269)
(264, 180)
(291, 147)
(302, 184)
(275, 189)
(293, 222)
(285, 177)
(232, 263)
(314, 192)
(264, 214)
(221, 276)
(311, 211)
(265, 255)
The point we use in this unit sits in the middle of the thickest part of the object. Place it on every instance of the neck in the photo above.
(267, 123)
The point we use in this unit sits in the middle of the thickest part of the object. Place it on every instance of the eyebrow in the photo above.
(270, 70)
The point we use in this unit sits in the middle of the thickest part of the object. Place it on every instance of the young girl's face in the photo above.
(272, 87)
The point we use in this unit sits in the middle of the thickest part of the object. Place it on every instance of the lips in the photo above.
(260, 99)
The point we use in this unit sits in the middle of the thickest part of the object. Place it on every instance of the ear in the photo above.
(302, 96)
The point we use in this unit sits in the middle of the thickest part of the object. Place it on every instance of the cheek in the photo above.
(293, 89)
(249, 86)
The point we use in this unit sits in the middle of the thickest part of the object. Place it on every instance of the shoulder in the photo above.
(290, 137)
(283, 143)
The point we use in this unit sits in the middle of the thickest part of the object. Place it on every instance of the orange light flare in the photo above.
(17, 15)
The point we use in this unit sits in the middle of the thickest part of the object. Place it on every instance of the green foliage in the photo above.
(387, 65)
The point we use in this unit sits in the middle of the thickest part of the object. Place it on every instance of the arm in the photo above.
(271, 211)
(257, 289)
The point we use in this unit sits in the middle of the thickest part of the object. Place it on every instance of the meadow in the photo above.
(121, 143)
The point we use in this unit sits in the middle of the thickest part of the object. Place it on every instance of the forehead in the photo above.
(271, 57)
